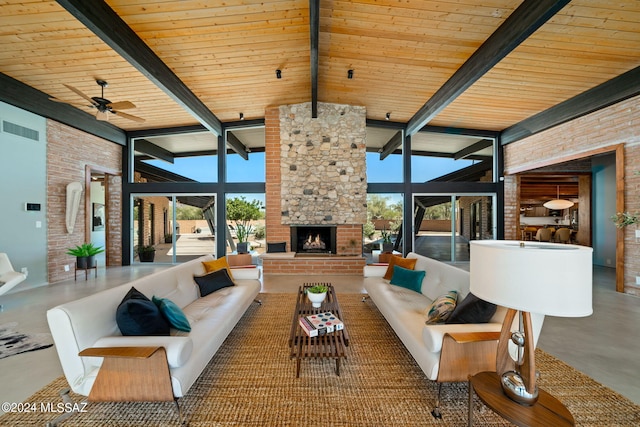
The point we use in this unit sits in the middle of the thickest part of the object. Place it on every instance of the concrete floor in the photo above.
(605, 345)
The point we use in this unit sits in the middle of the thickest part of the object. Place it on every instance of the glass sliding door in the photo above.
(444, 224)
(172, 228)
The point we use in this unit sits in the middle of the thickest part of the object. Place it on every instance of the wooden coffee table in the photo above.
(328, 346)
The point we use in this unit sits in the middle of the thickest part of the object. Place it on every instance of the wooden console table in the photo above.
(547, 411)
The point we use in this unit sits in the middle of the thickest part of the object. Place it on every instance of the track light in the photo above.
(241, 116)
(350, 74)
(278, 74)
(388, 116)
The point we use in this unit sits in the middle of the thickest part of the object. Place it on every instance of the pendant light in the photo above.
(558, 203)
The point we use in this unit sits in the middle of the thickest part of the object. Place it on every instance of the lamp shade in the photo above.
(557, 204)
(546, 278)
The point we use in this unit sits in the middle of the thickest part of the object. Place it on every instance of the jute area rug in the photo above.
(251, 382)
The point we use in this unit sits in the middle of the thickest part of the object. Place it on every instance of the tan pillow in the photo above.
(408, 263)
(217, 264)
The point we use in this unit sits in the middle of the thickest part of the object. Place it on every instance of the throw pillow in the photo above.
(410, 279)
(214, 281)
(472, 310)
(217, 264)
(276, 247)
(441, 308)
(408, 263)
(138, 315)
(174, 314)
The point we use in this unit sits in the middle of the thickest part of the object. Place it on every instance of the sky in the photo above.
(205, 168)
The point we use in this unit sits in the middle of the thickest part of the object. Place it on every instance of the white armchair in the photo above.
(9, 278)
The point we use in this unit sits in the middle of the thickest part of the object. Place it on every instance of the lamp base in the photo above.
(514, 387)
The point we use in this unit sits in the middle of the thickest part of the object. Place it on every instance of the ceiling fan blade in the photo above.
(77, 91)
(121, 105)
(129, 116)
(102, 116)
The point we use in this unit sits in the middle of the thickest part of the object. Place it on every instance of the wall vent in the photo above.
(22, 131)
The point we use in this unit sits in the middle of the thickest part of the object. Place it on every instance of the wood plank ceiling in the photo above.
(401, 54)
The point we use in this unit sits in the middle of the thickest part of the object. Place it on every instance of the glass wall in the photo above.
(245, 222)
(444, 224)
(245, 155)
(173, 227)
(176, 158)
(439, 157)
(384, 224)
(384, 155)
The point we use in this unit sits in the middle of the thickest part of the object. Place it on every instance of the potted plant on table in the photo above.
(85, 255)
(242, 233)
(317, 294)
(146, 253)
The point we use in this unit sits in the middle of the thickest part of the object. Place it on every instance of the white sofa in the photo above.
(91, 322)
(404, 310)
(9, 278)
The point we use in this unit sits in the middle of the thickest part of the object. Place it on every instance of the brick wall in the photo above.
(617, 124)
(69, 151)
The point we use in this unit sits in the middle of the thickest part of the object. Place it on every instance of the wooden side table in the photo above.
(547, 411)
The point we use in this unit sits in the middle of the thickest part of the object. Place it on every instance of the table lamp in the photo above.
(546, 278)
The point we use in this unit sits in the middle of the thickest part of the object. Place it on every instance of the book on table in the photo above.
(320, 324)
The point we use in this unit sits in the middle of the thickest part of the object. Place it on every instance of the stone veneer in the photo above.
(323, 164)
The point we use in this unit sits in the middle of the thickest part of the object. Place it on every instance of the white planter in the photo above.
(316, 299)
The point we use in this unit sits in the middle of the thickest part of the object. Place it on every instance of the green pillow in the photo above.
(441, 308)
(174, 315)
(410, 279)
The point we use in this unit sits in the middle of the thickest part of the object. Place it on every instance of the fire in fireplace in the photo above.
(314, 239)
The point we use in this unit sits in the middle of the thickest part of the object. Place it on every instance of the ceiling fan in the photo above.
(103, 105)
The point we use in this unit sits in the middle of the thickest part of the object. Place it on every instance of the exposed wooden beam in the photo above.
(237, 145)
(615, 90)
(473, 148)
(314, 29)
(526, 19)
(394, 143)
(144, 146)
(98, 17)
(22, 96)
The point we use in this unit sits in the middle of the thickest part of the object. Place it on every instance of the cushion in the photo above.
(174, 314)
(408, 263)
(214, 281)
(441, 308)
(410, 279)
(138, 315)
(276, 247)
(217, 264)
(472, 310)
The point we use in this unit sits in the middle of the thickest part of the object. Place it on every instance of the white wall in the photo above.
(23, 178)
(603, 198)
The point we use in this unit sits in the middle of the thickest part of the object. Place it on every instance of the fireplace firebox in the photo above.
(313, 239)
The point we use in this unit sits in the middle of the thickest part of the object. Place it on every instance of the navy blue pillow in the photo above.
(138, 315)
(276, 247)
(472, 310)
(214, 281)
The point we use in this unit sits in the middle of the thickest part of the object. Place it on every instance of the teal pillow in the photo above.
(410, 279)
(174, 315)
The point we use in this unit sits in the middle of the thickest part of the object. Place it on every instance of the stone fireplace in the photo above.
(313, 239)
(316, 177)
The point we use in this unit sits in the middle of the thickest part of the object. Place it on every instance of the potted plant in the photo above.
(85, 255)
(387, 245)
(622, 219)
(317, 294)
(146, 253)
(242, 233)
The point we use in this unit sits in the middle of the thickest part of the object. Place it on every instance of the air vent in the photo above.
(22, 131)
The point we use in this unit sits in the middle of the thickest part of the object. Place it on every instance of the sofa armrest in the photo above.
(178, 348)
(433, 335)
(374, 270)
(245, 273)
